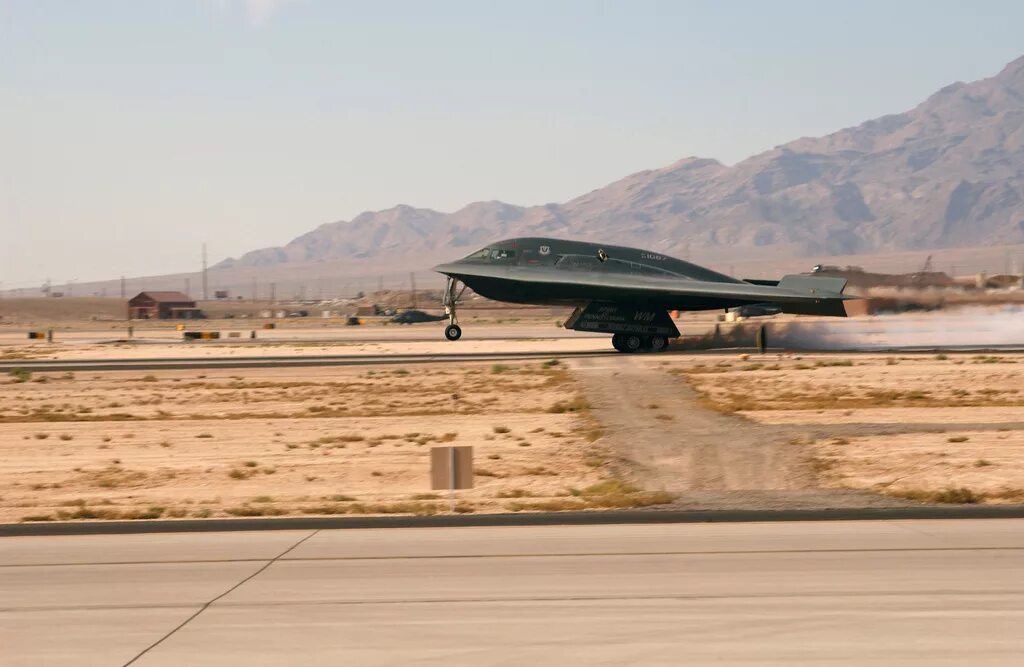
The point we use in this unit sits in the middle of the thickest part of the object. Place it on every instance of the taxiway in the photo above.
(941, 592)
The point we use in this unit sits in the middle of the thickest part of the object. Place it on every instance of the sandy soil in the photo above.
(914, 426)
(267, 442)
(928, 466)
(707, 430)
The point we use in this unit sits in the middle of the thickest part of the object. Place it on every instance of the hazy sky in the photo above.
(132, 131)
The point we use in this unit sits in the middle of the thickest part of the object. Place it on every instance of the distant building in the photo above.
(163, 306)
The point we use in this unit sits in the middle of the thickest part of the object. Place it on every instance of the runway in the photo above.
(284, 361)
(313, 334)
(941, 592)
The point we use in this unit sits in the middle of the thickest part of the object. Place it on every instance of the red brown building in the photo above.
(162, 306)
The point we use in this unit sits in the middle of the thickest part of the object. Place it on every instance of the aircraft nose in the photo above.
(446, 268)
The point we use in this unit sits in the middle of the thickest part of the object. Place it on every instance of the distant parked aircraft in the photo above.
(415, 317)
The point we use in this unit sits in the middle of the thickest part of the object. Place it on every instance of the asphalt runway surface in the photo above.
(311, 360)
(942, 592)
(282, 361)
(431, 332)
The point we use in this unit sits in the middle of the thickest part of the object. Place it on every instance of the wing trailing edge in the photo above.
(822, 295)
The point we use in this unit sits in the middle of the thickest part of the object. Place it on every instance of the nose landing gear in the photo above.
(452, 294)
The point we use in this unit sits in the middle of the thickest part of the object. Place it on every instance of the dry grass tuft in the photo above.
(609, 494)
(114, 476)
(577, 404)
(249, 510)
(951, 495)
(514, 493)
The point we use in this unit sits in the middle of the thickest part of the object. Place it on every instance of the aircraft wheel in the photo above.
(632, 343)
(453, 332)
(657, 343)
(617, 342)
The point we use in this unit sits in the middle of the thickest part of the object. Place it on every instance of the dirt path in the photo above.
(662, 438)
(670, 442)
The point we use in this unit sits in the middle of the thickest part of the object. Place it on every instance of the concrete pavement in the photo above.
(939, 592)
(286, 361)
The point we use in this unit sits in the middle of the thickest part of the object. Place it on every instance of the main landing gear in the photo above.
(637, 343)
(452, 294)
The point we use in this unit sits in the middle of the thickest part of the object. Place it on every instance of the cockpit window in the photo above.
(493, 253)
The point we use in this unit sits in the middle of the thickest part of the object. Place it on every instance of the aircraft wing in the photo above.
(796, 294)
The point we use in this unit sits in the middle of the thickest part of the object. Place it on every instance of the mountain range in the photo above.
(948, 173)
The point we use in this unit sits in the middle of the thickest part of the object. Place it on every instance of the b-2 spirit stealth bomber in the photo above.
(625, 292)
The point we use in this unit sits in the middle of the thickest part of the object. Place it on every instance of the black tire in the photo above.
(657, 343)
(632, 343)
(617, 342)
(453, 332)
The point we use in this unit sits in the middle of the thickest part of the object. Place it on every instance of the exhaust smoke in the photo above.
(970, 328)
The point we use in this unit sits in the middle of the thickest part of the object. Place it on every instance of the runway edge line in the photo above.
(531, 519)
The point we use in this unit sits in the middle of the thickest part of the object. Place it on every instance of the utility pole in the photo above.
(204, 272)
(273, 293)
(123, 295)
(412, 284)
(254, 289)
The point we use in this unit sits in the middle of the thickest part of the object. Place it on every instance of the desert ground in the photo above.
(313, 441)
(932, 427)
(683, 429)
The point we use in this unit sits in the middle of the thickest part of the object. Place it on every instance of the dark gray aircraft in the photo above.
(415, 317)
(622, 291)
